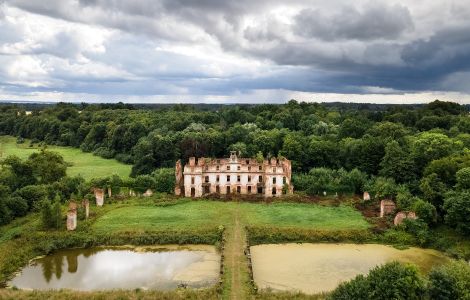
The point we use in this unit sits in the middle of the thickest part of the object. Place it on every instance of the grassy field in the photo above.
(85, 164)
(196, 214)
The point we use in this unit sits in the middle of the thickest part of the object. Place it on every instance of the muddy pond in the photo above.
(161, 268)
(316, 268)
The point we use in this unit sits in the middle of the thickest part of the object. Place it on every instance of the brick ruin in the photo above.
(99, 196)
(233, 175)
(72, 216)
(402, 215)
(387, 207)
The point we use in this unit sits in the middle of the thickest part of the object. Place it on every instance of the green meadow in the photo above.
(80, 163)
(184, 215)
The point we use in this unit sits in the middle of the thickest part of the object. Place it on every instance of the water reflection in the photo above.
(106, 268)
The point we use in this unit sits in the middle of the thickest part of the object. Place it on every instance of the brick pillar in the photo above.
(72, 219)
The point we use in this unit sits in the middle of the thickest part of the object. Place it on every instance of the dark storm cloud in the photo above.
(312, 46)
(373, 21)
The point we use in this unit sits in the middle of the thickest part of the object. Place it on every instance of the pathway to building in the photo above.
(235, 260)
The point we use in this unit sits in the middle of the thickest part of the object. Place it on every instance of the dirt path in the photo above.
(235, 260)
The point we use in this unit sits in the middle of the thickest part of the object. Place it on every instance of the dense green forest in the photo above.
(418, 155)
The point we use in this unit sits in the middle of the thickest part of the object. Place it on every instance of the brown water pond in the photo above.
(161, 268)
(316, 268)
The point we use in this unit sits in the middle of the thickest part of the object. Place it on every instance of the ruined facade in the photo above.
(233, 175)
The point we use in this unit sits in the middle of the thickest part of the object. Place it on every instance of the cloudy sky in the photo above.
(216, 51)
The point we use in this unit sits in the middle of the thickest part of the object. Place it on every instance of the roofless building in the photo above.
(233, 175)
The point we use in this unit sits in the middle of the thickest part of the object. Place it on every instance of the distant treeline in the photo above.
(412, 150)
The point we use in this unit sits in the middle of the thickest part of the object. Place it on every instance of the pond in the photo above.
(101, 268)
(316, 268)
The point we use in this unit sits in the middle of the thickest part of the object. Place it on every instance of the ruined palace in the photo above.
(233, 175)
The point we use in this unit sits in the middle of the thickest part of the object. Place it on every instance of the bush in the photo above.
(425, 211)
(5, 213)
(419, 229)
(451, 281)
(405, 199)
(17, 205)
(398, 237)
(267, 235)
(164, 180)
(354, 289)
(124, 158)
(143, 183)
(382, 187)
(104, 152)
(32, 194)
(390, 281)
(47, 214)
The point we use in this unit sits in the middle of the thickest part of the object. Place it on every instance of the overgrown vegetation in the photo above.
(418, 156)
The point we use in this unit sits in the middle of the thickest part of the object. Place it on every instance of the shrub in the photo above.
(17, 205)
(418, 228)
(425, 211)
(266, 235)
(398, 237)
(143, 182)
(32, 194)
(451, 281)
(46, 214)
(104, 152)
(5, 213)
(357, 289)
(382, 187)
(164, 180)
(390, 281)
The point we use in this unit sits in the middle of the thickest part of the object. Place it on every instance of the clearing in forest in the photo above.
(85, 164)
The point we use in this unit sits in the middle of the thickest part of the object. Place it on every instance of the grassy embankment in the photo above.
(85, 164)
(146, 221)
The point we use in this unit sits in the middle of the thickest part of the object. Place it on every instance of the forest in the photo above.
(418, 155)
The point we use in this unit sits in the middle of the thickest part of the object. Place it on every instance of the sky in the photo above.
(244, 51)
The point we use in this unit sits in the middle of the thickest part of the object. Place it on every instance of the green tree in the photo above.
(445, 168)
(429, 146)
(450, 281)
(56, 213)
(293, 149)
(425, 211)
(392, 281)
(382, 187)
(457, 209)
(47, 215)
(354, 127)
(397, 164)
(16, 173)
(433, 189)
(463, 178)
(47, 166)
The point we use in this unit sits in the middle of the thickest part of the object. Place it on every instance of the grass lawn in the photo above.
(197, 214)
(85, 164)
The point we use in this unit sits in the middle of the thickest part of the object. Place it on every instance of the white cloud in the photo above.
(216, 50)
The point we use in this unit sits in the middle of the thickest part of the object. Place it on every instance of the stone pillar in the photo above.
(402, 216)
(148, 193)
(71, 219)
(366, 196)
(110, 192)
(99, 196)
(86, 205)
(386, 207)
